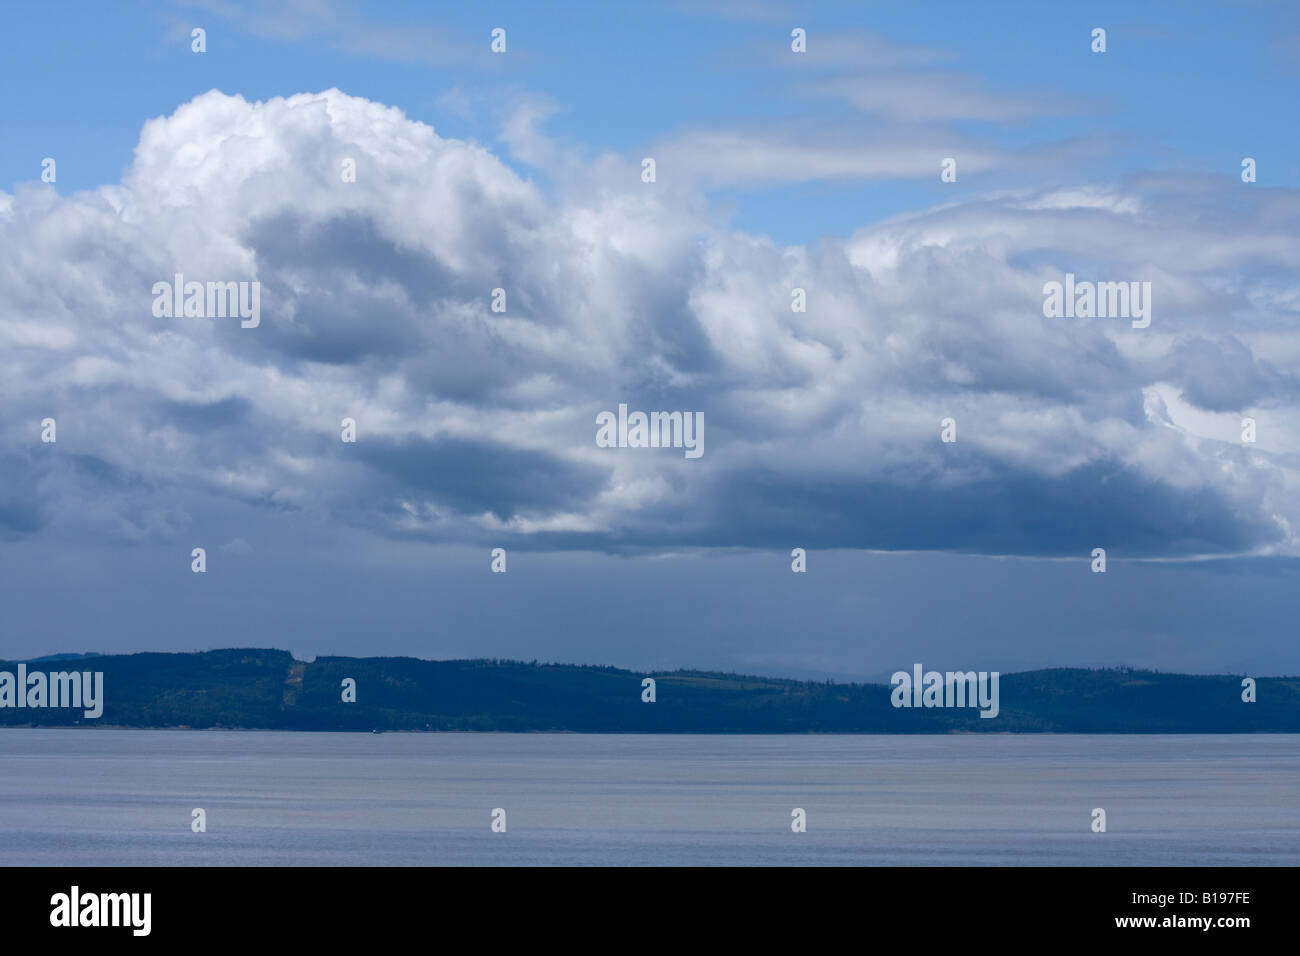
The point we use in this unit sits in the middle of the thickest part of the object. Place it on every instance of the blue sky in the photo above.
(1191, 85)
(774, 171)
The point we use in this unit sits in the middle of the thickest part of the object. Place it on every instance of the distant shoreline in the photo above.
(267, 689)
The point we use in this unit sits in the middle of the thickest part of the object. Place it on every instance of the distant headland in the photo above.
(271, 690)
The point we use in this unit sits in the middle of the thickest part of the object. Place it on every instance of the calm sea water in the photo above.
(98, 797)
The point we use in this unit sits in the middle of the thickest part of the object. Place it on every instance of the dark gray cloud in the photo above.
(476, 477)
(1221, 375)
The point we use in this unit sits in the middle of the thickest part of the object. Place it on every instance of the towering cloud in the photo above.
(824, 424)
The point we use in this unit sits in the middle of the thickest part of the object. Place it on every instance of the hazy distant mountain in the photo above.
(269, 689)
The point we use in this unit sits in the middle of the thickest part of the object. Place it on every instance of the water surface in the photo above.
(124, 797)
